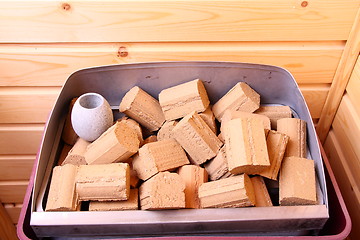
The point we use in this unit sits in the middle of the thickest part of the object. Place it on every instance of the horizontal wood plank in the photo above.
(51, 64)
(349, 185)
(16, 167)
(346, 127)
(20, 138)
(13, 211)
(7, 228)
(315, 96)
(12, 191)
(26, 104)
(184, 20)
(353, 87)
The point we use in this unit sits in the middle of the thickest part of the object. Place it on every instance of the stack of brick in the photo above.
(197, 155)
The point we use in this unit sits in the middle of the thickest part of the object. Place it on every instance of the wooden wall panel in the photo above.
(16, 167)
(52, 64)
(315, 96)
(26, 104)
(20, 138)
(7, 229)
(12, 191)
(13, 211)
(348, 183)
(184, 20)
(353, 87)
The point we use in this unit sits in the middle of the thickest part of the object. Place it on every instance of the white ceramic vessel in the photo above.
(91, 116)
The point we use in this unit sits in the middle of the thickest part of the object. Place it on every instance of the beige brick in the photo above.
(296, 130)
(159, 156)
(165, 190)
(106, 182)
(180, 100)
(235, 191)
(62, 195)
(134, 179)
(274, 113)
(133, 124)
(68, 135)
(262, 197)
(297, 185)
(143, 108)
(276, 145)
(217, 167)
(245, 143)
(209, 117)
(241, 97)
(231, 114)
(193, 176)
(116, 144)
(131, 204)
(165, 132)
(76, 155)
(196, 137)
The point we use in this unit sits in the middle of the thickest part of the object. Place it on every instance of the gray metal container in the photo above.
(275, 85)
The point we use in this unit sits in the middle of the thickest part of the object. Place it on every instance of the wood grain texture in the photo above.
(26, 104)
(341, 78)
(184, 20)
(315, 96)
(12, 191)
(13, 211)
(346, 127)
(7, 228)
(16, 167)
(52, 64)
(353, 87)
(349, 185)
(20, 138)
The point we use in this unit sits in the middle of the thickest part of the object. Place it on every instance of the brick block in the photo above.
(76, 155)
(296, 130)
(193, 176)
(142, 107)
(196, 137)
(241, 98)
(180, 100)
(275, 113)
(159, 156)
(209, 117)
(133, 124)
(165, 190)
(235, 191)
(245, 143)
(276, 145)
(297, 184)
(217, 167)
(62, 195)
(106, 182)
(116, 144)
(262, 197)
(165, 132)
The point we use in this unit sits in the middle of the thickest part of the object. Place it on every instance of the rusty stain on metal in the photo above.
(122, 52)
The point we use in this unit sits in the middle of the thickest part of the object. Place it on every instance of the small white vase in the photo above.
(91, 116)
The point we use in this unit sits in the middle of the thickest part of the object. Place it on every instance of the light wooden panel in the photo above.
(341, 78)
(353, 87)
(26, 104)
(12, 191)
(16, 167)
(51, 64)
(7, 229)
(20, 138)
(184, 20)
(349, 184)
(315, 96)
(346, 127)
(13, 211)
